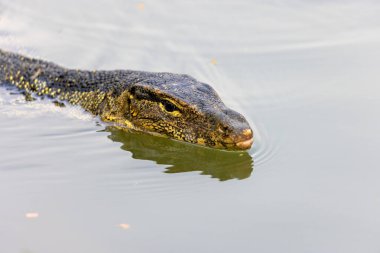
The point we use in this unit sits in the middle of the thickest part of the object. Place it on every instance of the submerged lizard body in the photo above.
(172, 105)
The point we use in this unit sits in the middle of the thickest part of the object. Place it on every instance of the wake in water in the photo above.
(10, 97)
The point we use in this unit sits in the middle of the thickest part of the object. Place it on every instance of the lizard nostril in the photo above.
(222, 129)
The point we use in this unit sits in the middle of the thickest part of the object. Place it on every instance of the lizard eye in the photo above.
(169, 107)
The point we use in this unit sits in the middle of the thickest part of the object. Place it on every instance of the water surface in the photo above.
(304, 73)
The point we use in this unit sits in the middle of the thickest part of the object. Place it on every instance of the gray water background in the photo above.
(304, 73)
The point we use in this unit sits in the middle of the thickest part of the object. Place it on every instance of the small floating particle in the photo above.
(213, 61)
(140, 6)
(32, 215)
(124, 226)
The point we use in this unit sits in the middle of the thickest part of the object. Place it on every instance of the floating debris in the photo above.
(32, 215)
(124, 226)
(214, 61)
(140, 6)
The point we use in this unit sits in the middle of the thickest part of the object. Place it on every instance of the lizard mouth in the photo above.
(243, 141)
(243, 145)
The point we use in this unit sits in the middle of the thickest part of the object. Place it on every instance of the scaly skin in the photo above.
(172, 105)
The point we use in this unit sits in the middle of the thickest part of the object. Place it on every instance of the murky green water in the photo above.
(305, 74)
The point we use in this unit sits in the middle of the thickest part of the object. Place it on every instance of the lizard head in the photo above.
(182, 108)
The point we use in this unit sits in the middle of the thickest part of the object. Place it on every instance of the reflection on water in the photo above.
(183, 157)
